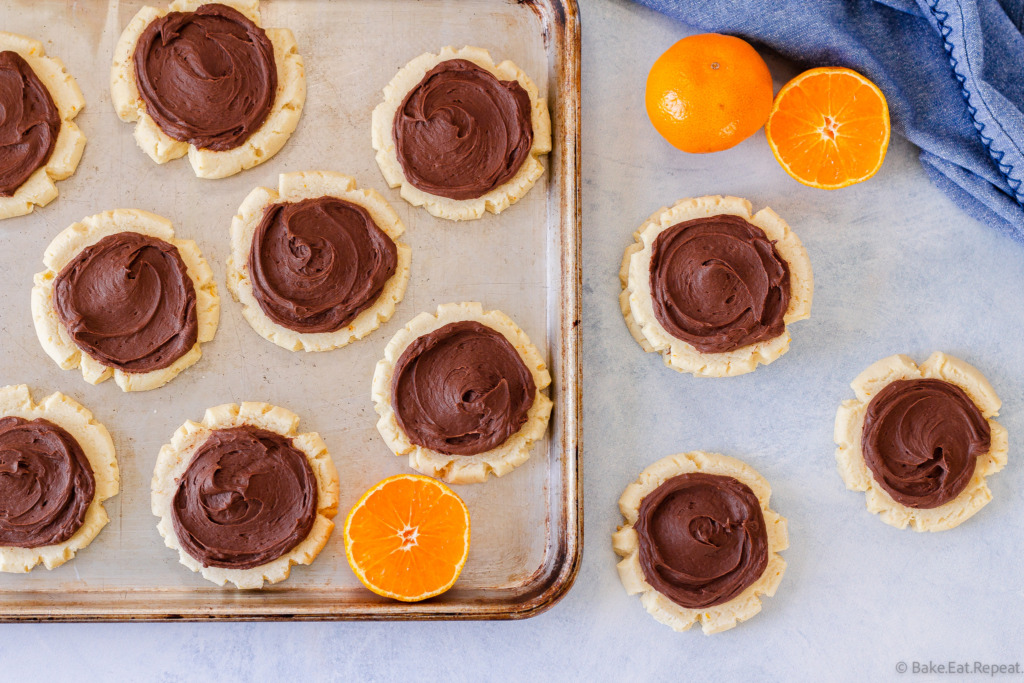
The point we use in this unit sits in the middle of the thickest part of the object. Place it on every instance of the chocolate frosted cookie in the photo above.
(460, 134)
(39, 141)
(317, 264)
(122, 298)
(204, 78)
(461, 392)
(920, 441)
(57, 466)
(461, 389)
(712, 288)
(700, 542)
(242, 496)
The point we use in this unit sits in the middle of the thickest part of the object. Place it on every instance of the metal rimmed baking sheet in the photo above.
(527, 526)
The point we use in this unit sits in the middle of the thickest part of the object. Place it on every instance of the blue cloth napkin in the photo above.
(951, 70)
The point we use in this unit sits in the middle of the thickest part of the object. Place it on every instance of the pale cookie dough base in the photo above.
(462, 469)
(638, 308)
(175, 457)
(294, 187)
(65, 247)
(626, 544)
(98, 448)
(39, 189)
(264, 143)
(501, 197)
(850, 425)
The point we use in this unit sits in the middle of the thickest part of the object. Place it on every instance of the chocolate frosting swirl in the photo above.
(46, 483)
(29, 122)
(247, 497)
(461, 390)
(703, 539)
(718, 283)
(206, 77)
(318, 263)
(128, 302)
(922, 439)
(461, 132)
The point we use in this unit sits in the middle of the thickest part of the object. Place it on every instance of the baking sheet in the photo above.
(526, 534)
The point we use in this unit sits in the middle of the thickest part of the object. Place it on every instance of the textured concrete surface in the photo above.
(898, 269)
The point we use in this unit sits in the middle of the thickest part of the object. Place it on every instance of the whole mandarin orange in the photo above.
(709, 92)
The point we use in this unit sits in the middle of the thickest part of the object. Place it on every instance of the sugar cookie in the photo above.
(270, 518)
(465, 432)
(234, 133)
(719, 591)
(414, 121)
(50, 143)
(326, 310)
(163, 280)
(746, 279)
(61, 432)
(926, 473)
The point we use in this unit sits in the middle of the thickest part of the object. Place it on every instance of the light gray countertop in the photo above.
(898, 269)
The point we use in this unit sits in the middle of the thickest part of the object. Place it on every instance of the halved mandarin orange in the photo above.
(408, 538)
(829, 128)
